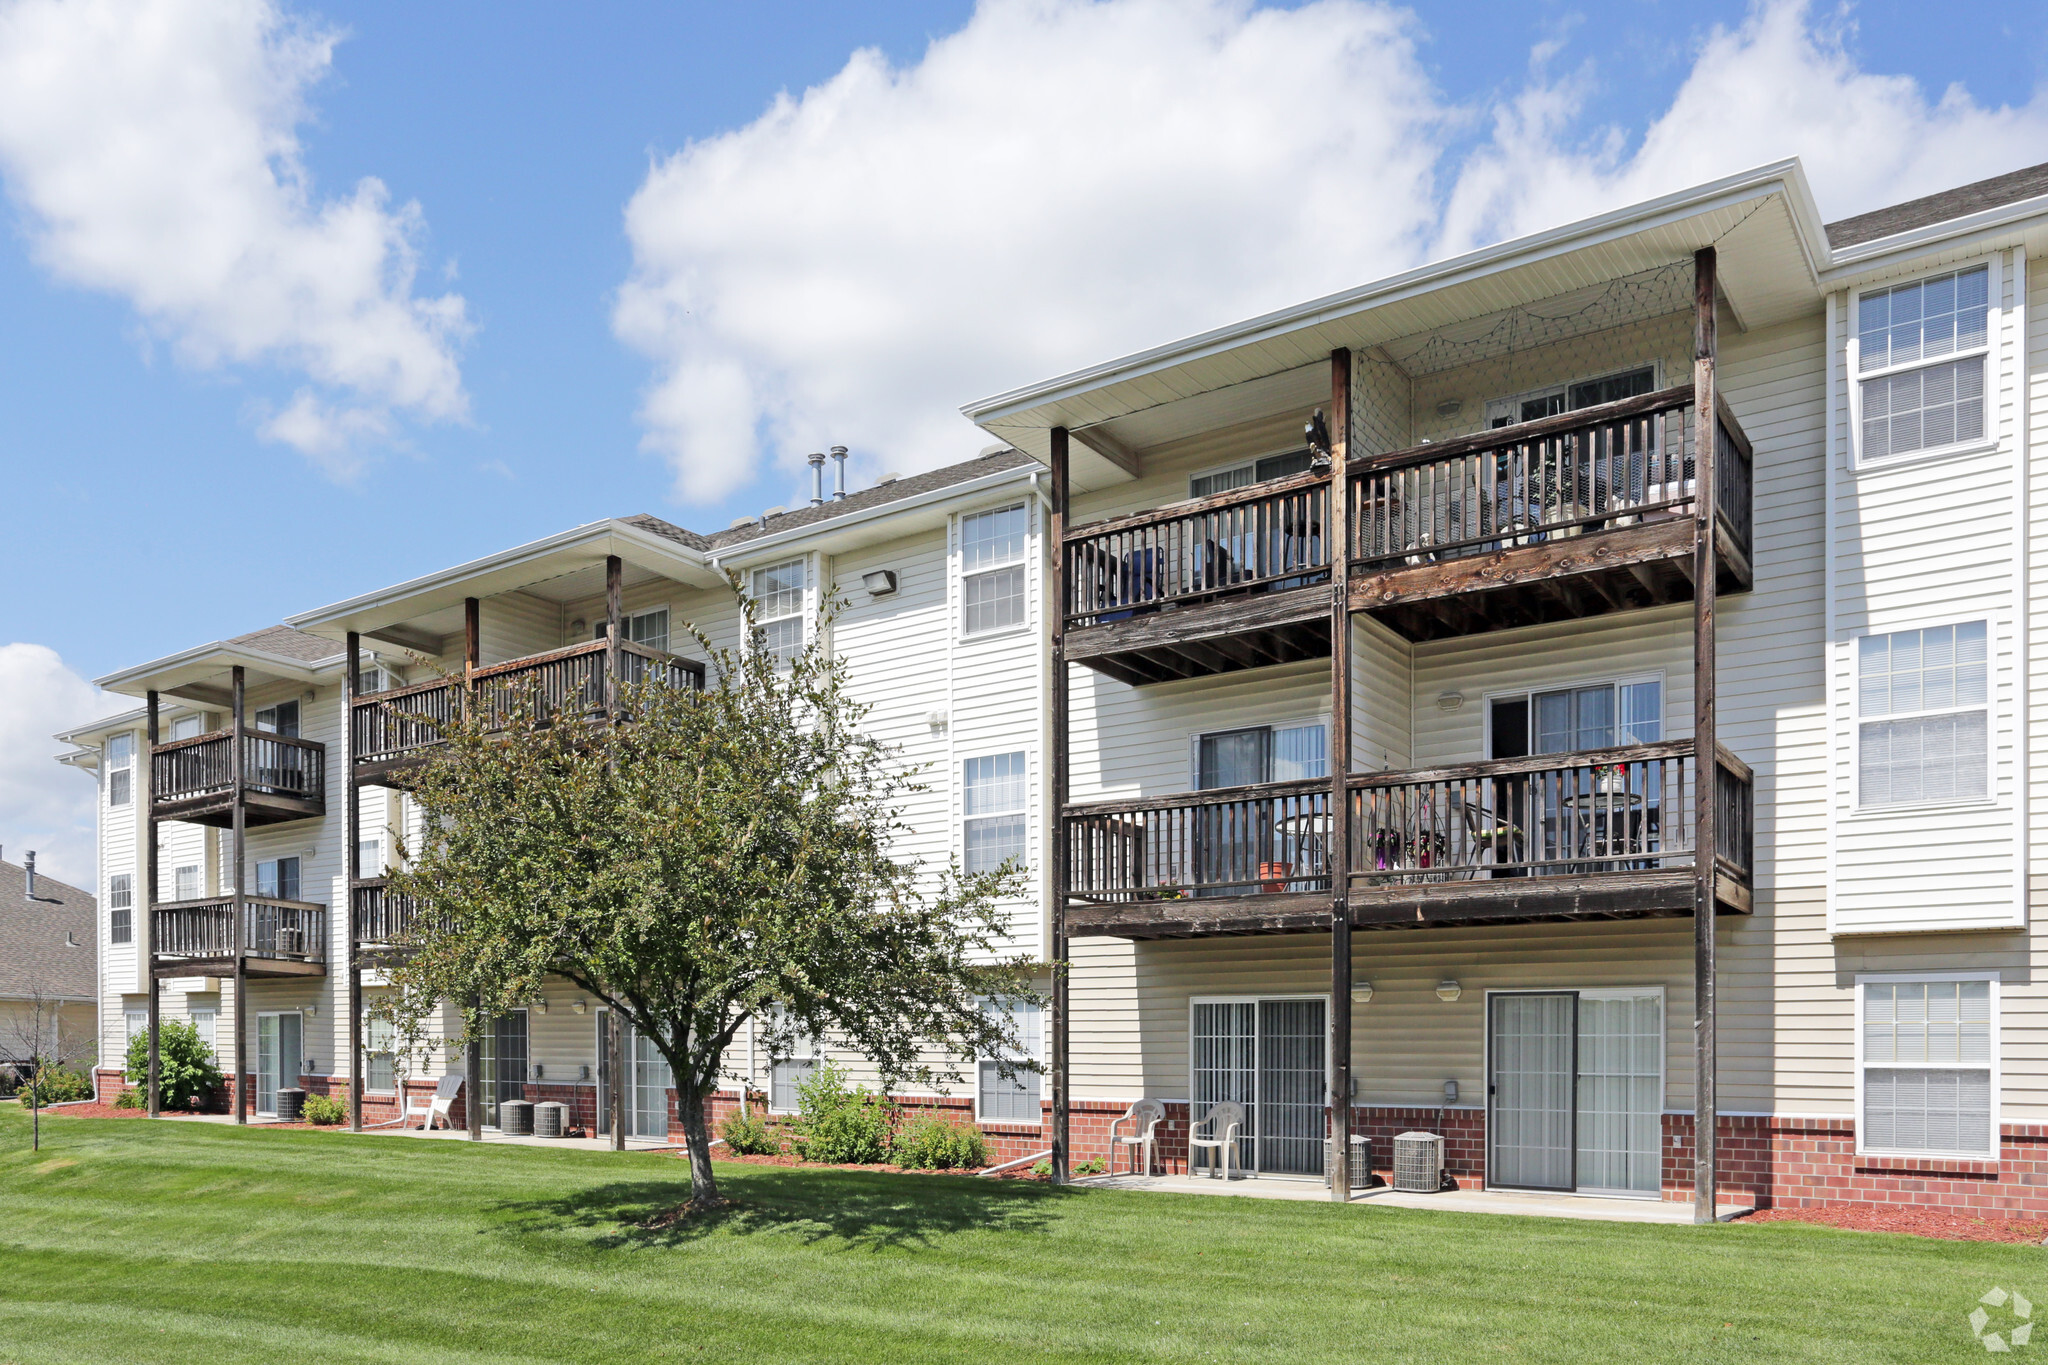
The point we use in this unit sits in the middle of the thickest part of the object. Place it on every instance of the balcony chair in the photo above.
(1217, 1132)
(1143, 1116)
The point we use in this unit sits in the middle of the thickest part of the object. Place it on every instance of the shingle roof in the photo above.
(34, 953)
(668, 530)
(1939, 208)
(287, 643)
(995, 462)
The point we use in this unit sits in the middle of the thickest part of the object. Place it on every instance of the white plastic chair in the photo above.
(1224, 1122)
(1144, 1116)
(441, 1106)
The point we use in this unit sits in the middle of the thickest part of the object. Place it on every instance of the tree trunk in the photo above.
(697, 1141)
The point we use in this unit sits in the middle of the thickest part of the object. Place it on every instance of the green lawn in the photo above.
(137, 1241)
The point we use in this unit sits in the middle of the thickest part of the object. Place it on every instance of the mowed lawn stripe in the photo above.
(177, 1241)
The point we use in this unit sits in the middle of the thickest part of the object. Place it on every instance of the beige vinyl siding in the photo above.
(1917, 542)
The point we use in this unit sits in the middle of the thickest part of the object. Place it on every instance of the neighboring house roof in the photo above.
(49, 944)
(1960, 202)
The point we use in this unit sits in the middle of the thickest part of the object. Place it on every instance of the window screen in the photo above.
(778, 609)
(1922, 696)
(121, 908)
(1015, 1098)
(993, 796)
(1908, 403)
(992, 570)
(1927, 1066)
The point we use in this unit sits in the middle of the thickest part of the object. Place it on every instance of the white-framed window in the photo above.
(779, 609)
(377, 678)
(992, 569)
(121, 908)
(120, 754)
(1582, 393)
(206, 1022)
(281, 719)
(1922, 355)
(136, 1025)
(185, 883)
(278, 877)
(370, 858)
(188, 727)
(1927, 1064)
(1252, 754)
(1923, 715)
(1262, 470)
(994, 793)
(786, 1074)
(1012, 1099)
(380, 1056)
(648, 628)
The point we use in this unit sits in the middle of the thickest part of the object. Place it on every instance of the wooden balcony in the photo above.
(282, 779)
(1578, 515)
(394, 729)
(1604, 834)
(379, 919)
(279, 937)
(1236, 580)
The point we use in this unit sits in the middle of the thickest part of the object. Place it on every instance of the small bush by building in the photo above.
(56, 1085)
(185, 1069)
(931, 1142)
(325, 1111)
(750, 1134)
(839, 1124)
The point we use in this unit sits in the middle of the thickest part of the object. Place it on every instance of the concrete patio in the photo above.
(1591, 1207)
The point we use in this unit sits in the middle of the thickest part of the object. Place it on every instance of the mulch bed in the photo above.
(785, 1159)
(1913, 1219)
(96, 1110)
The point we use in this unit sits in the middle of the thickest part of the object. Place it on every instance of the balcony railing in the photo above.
(270, 928)
(1552, 815)
(204, 765)
(1618, 464)
(561, 684)
(377, 915)
(1263, 538)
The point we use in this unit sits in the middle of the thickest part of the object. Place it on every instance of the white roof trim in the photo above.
(1864, 256)
(227, 652)
(1785, 176)
(504, 559)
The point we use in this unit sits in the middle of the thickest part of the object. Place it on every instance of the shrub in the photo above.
(837, 1123)
(56, 1085)
(325, 1110)
(184, 1064)
(131, 1098)
(930, 1142)
(1091, 1166)
(1042, 1168)
(749, 1134)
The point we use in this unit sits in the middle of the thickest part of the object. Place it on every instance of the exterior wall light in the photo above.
(1449, 701)
(1361, 991)
(540, 1006)
(1450, 1091)
(579, 1006)
(879, 582)
(1448, 991)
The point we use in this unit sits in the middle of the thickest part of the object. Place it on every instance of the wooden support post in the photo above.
(472, 634)
(473, 1081)
(1337, 852)
(352, 864)
(615, 1047)
(147, 824)
(239, 762)
(614, 626)
(1705, 577)
(1056, 949)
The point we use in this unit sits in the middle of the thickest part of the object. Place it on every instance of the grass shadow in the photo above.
(861, 1209)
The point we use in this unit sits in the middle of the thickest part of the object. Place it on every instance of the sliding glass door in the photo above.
(1270, 1057)
(1576, 1091)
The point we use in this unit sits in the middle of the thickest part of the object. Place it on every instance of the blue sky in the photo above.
(671, 362)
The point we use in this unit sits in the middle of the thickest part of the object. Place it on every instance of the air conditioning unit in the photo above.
(1418, 1163)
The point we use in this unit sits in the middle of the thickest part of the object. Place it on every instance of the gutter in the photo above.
(1868, 255)
(220, 649)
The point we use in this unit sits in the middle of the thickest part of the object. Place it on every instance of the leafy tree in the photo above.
(36, 1034)
(184, 1064)
(702, 859)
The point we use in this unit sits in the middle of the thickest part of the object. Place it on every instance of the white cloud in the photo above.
(153, 151)
(1061, 181)
(44, 806)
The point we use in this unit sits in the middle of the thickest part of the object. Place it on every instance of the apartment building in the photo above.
(271, 930)
(1569, 698)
